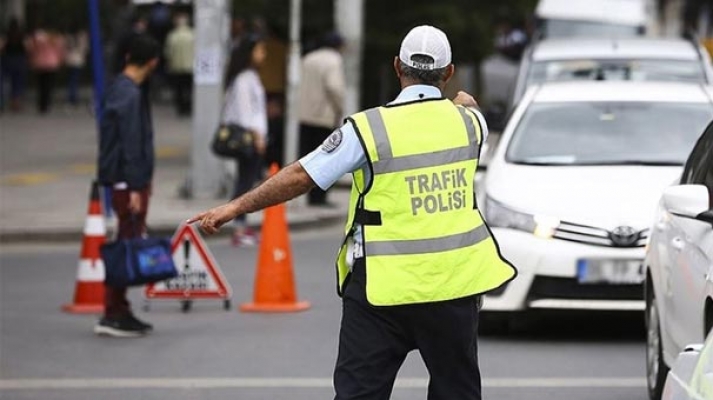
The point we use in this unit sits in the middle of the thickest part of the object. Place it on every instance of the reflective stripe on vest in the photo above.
(388, 164)
(457, 241)
(423, 238)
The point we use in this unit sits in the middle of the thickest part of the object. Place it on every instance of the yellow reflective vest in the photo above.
(423, 238)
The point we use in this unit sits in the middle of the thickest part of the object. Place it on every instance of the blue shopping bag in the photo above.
(138, 261)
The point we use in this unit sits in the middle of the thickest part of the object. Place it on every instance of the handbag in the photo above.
(233, 141)
(137, 261)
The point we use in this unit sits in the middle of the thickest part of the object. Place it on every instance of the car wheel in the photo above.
(656, 369)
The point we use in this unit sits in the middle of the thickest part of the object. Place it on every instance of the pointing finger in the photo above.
(196, 218)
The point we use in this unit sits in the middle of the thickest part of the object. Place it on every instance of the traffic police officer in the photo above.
(417, 253)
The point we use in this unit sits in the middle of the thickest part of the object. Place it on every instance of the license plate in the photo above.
(612, 271)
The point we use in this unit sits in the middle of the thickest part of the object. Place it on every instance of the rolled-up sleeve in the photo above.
(330, 161)
(483, 123)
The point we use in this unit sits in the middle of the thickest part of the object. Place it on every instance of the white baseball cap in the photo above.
(426, 40)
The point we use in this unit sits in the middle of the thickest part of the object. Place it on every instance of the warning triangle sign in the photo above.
(199, 276)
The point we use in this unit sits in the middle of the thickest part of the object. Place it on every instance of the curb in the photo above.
(75, 235)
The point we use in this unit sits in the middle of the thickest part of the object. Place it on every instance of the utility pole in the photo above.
(293, 82)
(349, 18)
(97, 58)
(212, 19)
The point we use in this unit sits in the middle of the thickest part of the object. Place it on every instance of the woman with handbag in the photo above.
(246, 108)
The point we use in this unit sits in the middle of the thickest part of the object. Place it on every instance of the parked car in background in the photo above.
(691, 377)
(679, 266)
(572, 186)
(635, 59)
(600, 18)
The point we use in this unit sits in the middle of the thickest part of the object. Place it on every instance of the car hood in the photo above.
(599, 196)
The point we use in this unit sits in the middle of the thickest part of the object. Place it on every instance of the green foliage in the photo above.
(469, 24)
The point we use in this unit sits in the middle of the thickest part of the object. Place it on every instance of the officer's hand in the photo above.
(464, 99)
(210, 221)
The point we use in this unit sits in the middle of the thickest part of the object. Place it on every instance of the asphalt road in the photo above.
(210, 353)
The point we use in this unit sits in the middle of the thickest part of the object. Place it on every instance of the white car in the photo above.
(602, 18)
(679, 265)
(573, 184)
(691, 377)
(636, 59)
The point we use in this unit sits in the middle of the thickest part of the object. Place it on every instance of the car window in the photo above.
(616, 70)
(571, 28)
(607, 133)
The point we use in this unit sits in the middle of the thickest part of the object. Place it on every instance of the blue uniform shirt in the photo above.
(339, 156)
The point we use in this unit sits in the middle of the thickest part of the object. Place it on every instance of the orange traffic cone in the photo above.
(89, 291)
(275, 283)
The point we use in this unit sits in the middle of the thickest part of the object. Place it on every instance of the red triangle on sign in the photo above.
(199, 275)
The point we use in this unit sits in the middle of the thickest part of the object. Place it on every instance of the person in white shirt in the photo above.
(246, 106)
(321, 100)
(179, 56)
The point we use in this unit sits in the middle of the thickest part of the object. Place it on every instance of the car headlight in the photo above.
(498, 215)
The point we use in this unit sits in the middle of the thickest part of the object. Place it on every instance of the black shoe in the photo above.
(145, 326)
(119, 327)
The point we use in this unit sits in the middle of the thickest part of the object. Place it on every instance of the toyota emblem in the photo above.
(624, 236)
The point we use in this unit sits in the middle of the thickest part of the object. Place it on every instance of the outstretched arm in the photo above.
(287, 184)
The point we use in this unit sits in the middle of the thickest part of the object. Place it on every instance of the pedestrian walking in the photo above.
(417, 253)
(126, 163)
(13, 57)
(321, 100)
(76, 49)
(46, 50)
(246, 106)
(179, 56)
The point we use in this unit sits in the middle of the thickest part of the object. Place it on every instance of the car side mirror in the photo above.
(689, 201)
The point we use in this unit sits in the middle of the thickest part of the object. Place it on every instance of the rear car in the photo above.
(629, 59)
(600, 18)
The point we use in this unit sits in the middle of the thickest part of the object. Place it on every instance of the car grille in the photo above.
(619, 237)
(544, 287)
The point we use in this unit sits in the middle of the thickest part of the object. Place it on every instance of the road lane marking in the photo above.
(296, 383)
(38, 178)
(84, 168)
(29, 179)
(165, 152)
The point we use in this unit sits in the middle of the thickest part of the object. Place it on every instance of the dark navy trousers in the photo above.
(374, 342)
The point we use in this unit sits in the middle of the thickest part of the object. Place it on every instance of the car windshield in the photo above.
(616, 70)
(608, 133)
(567, 28)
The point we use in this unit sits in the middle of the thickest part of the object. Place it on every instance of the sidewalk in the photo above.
(47, 164)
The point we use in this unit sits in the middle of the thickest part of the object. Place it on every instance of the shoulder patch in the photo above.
(332, 142)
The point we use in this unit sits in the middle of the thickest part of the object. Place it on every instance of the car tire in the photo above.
(656, 368)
